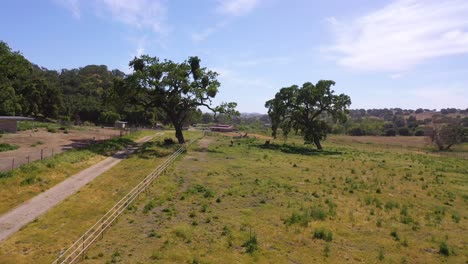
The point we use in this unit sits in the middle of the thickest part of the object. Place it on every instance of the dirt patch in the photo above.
(33, 145)
(241, 134)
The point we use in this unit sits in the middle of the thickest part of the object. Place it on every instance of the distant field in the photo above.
(344, 204)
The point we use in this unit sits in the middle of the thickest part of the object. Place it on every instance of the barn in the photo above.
(10, 123)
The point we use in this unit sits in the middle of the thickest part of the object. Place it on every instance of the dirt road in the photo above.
(25, 213)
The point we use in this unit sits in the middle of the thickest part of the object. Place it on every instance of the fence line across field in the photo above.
(16, 161)
(79, 247)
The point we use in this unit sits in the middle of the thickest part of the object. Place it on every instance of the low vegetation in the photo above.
(7, 147)
(31, 179)
(43, 239)
(246, 203)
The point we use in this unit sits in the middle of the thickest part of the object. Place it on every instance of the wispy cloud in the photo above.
(72, 5)
(401, 35)
(200, 36)
(141, 14)
(229, 9)
(236, 7)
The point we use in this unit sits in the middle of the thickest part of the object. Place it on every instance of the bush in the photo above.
(404, 131)
(7, 147)
(444, 249)
(51, 130)
(251, 244)
(357, 131)
(5, 174)
(390, 133)
(419, 133)
(318, 213)
(323, 234)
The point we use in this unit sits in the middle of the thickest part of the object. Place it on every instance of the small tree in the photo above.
(302, 109)
(445, 135)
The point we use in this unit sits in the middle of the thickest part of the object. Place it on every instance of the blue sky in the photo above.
(394, 53)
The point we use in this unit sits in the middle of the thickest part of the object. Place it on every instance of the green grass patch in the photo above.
(304, 206)
(7, 147)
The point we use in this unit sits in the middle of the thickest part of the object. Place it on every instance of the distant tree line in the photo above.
(396, 121)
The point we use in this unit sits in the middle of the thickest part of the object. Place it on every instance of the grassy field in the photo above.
(19, 185)
(43, 240)
(248, 202)
(291, 204)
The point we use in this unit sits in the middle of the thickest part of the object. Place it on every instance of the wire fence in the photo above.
(16, 159)
(78, 249)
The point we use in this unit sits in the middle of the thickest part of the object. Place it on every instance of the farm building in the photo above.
(222, 128)
(120, 124)
(10, 123)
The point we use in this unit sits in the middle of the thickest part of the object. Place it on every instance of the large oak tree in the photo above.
(178, 89)
(301, 109)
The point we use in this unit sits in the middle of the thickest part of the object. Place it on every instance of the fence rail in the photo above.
(78, 249)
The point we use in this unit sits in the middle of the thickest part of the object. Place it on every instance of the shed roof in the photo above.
(17, 118)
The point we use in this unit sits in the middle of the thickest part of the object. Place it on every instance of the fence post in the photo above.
(42, 154)
(28, 158)
(13, 163)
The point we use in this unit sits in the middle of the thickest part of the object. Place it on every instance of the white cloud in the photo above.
(401, 35)
(142, 14)
(229, 9)
(197, 37)
(236, 7)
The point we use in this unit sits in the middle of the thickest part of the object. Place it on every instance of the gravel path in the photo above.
(25, 213)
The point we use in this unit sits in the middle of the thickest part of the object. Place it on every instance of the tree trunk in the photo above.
(178, 133)
(317, 142)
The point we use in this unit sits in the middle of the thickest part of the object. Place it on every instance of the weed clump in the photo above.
(148, 207)
(7, 147)
(251, 244)
(324, 234)
(444, 249)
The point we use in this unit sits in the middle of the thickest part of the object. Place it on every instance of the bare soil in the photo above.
(238, 134)
(31, 144)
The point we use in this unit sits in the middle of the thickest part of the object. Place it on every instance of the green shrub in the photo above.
(148, 207)
(7, 147)
(28, 181)
(5, 174)
(318, 213)
(298, 218)
(324, 234)
(251, 244)
(394, 234)
(444, 249)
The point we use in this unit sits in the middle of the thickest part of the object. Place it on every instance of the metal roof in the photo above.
(18, 118)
